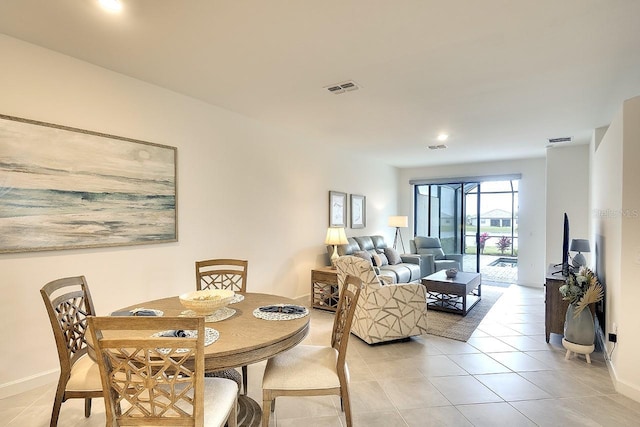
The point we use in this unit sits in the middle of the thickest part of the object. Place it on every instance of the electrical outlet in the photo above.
(613, 337)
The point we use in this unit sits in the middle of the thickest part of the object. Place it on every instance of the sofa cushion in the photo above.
(364, 255)
(429, 246)
(380, 259)
(379, 243)
(444, 264)
(347, 249)
(393, 256)
(365, 243)
(404, 273)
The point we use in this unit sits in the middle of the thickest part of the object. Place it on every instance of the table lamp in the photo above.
(579, 245)
(398, 222)
(335, 236)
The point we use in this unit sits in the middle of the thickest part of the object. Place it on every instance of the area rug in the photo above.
(458, 327)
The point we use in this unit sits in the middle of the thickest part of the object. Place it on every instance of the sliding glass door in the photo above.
(439, 212)
(475, 218)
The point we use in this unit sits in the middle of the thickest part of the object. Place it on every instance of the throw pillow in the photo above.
(364, 255)
(393, 256)
(380, 259)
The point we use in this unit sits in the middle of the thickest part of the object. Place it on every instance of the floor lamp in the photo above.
(398, 222)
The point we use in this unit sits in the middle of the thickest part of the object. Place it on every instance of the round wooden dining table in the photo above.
(244, 339)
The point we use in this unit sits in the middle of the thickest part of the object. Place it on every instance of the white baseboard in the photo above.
(29, 383)
(629, 390)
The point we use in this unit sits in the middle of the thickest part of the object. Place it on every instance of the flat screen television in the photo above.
(565, 248)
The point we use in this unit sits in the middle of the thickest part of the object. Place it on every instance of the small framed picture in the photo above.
(358, 211)
(337, 209)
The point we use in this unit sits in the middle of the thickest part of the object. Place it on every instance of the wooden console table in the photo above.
(555, 308)
(324, 288)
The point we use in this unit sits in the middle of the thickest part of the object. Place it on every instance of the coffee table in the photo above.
(456, 295)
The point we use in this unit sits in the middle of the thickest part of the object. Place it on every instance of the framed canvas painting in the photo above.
(337, 209)
(65, 188)
(358, 211)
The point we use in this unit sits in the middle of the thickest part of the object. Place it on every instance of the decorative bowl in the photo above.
(207, 301)
(451, 273)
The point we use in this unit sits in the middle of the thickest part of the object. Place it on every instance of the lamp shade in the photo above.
(579, 245)
(336, 236)
(399, 221)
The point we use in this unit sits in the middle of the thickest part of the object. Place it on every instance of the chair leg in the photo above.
(87, 407)
(57, 403)
(266, 409)
(244, 380)
(346, 405)
(232, 421)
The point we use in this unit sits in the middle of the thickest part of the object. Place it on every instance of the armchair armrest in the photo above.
(455, 257)
(411, 258)
(387, 292)
(427, 264)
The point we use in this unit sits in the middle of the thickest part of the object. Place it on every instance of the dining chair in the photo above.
(307, 370)
(158, 378)
(69, 304)
(224, 274)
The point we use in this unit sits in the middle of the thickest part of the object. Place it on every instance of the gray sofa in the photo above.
(408, 270)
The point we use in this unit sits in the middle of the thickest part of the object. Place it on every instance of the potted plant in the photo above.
(580, 289)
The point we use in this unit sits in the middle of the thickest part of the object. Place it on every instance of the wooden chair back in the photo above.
(222, 274)
(69, 304)
(344, 316)
(151, 380)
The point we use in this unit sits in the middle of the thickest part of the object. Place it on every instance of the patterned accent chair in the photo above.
(384, 312)
(430, 250)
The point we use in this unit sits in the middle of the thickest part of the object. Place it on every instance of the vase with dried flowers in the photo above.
(580, 289)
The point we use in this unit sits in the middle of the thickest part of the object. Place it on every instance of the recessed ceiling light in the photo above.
(443, 137)
(111, 5)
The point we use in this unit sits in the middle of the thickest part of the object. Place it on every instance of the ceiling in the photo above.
(499, 76)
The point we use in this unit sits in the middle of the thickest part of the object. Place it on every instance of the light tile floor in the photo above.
(506, 375)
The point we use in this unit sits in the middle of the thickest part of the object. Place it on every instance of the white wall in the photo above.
(567, 170)
(531, 215)
(616, 230)
(245, 190)
(627, 360)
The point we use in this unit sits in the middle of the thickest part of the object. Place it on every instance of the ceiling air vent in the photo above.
(560, 140)
(437, 147)
(342, 87)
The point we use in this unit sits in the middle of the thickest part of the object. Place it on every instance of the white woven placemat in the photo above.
(265, 315)
(236, 298)
(210, 336)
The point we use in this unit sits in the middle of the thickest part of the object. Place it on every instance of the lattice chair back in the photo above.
(222, 274)
(151, 380)
(68, 314)
(69, 304)
(349, 294)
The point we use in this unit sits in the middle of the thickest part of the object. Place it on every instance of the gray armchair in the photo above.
(430, 250)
